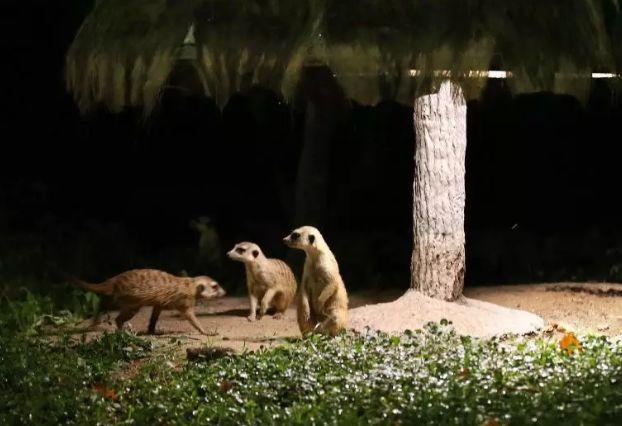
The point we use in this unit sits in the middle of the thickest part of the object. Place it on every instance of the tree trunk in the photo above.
(438, 257)
(314, 167)
(326, 107)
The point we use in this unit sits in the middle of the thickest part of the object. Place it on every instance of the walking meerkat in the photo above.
(270, 282)
(323, 300)
(131, 290)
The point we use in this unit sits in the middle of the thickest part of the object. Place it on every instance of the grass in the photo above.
(430, 376)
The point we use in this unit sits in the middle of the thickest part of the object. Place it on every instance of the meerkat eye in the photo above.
(255, 253)
(294, 236)
(214, 285)
(240, 250)
(311, 239)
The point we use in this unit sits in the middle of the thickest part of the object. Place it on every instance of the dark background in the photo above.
(100, 194)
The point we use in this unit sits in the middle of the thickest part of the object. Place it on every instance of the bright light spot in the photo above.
(499, 74)
(503, 74)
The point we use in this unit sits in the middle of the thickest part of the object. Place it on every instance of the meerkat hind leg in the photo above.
(124, 316)
(266, 302)
(280, 306)
(331, 325)
(328, 325)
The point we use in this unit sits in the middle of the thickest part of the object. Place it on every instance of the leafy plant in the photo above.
(429, 376)
(27, 314)
(81, 303)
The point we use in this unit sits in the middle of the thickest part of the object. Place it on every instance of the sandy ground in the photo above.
(578, 307)
(469, 316)
(589, 307)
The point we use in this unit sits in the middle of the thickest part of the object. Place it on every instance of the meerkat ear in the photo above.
(200, 289)
(311, 238)
(255, 253)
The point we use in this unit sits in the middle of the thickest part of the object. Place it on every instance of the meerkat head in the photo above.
(207, 288)
(245, 252)
(304, 238)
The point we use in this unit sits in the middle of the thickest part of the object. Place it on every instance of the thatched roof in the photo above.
(125, 50)
(612, 15)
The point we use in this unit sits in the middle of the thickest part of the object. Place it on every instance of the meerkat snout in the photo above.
(292, 239)
(244, 252)
(235, 252)
(302, 238)
(207, 288)
(294, 236)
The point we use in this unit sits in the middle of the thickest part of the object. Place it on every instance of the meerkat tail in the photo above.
(105, 288)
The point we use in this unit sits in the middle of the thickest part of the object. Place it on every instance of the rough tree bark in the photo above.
(438, 257)
(314, 167)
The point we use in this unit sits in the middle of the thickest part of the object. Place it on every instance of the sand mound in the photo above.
(469, 317)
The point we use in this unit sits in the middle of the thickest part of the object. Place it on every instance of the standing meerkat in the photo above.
(131, 290)
(270, 281)
(323, 300)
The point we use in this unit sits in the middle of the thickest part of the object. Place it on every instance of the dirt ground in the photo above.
(586, 307)
(578, 307)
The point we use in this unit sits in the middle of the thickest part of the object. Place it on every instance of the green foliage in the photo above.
(429, 376)
(25, 315)
(81, 303)
(29, 312)
(120, 346)
(44, 382)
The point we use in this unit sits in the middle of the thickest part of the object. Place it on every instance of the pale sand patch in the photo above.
(469, 316)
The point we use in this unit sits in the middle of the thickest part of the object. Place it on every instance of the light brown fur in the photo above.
(270, 282)
(322, 304)
(131, 290)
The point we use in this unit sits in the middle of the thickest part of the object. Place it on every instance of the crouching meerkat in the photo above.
(322, 300)
(131, 290)
(271, 283)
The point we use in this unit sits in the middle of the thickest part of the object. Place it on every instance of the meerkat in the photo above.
(322, 304)
(131, 290)
(270, 282)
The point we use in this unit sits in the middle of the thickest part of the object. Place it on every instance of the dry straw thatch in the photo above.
(125, 50)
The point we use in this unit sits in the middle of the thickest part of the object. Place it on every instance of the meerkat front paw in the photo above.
(278, 316)
(251, 318)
